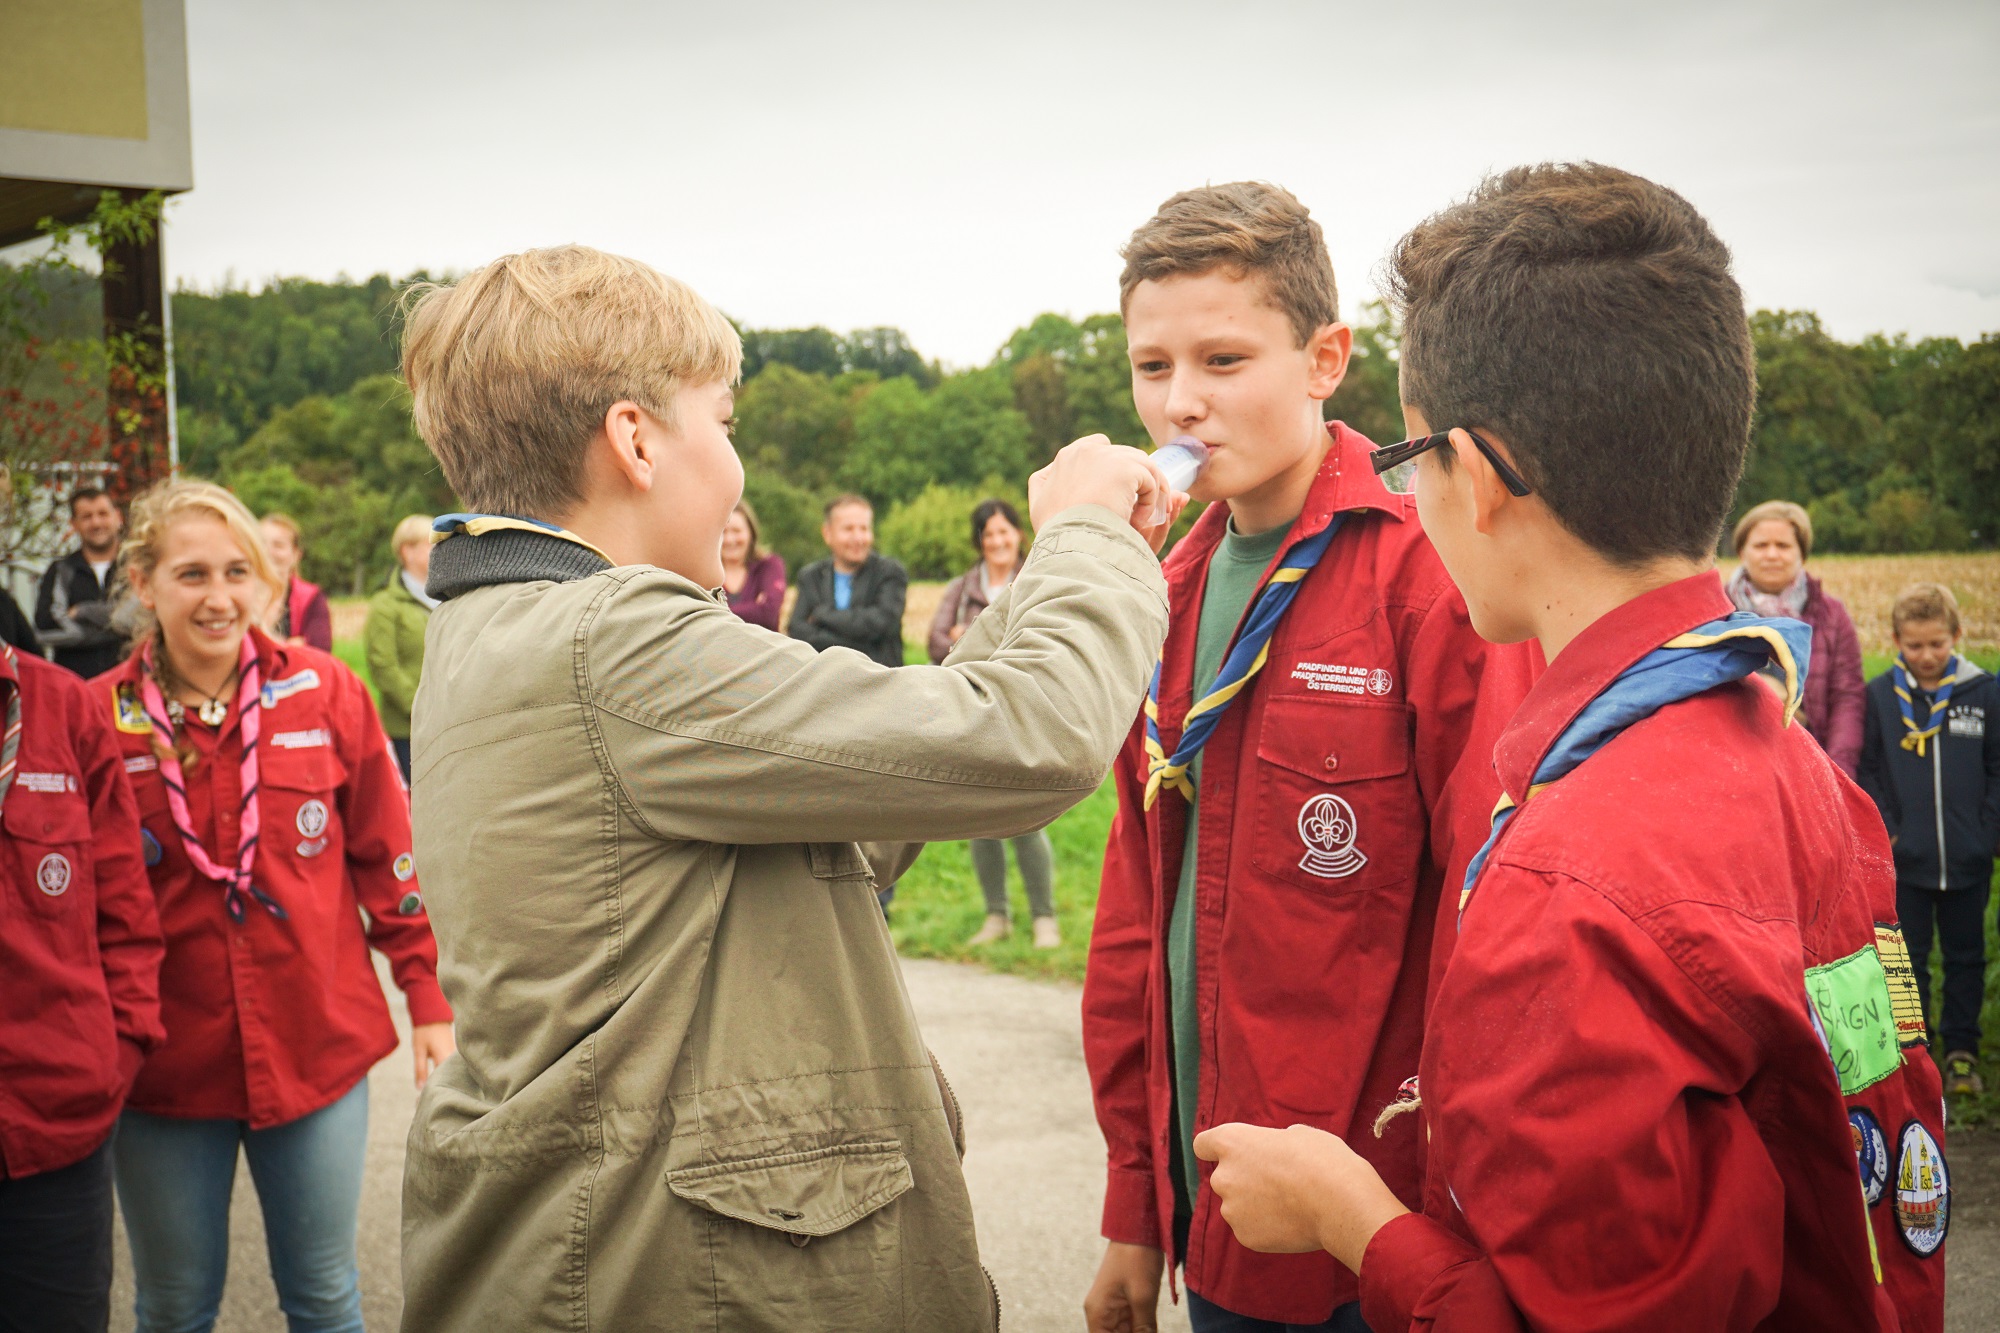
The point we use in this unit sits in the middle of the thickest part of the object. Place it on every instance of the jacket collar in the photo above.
(478, 551)
(1592, 661)
(1344, 481)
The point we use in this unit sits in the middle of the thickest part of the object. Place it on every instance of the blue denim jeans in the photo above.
(174, 1181)
(1208, 1317)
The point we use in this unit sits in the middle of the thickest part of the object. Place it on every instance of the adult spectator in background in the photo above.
(394, 638)
(854, 598)
(79, 992)
(996, 535)
(1773, 542)
(73, 608)
(301, 615)
(288, 831)
(753, 577)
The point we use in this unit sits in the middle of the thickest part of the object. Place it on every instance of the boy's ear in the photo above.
(1326, 354)
(1489, 494)
(634, 453)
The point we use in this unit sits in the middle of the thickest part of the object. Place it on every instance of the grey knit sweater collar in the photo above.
(463, 562)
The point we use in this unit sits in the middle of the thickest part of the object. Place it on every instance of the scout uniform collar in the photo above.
(478, 550)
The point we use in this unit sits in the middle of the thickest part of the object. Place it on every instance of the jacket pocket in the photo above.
(50, 833)
(805, 1240)
(299, 802)
(838, 860)
(1337, 808)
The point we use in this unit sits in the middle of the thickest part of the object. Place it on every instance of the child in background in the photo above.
(1677, 1015)
(1932, 764)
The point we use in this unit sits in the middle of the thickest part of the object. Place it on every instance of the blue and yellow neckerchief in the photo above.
(476, 525)
(1707, 656)
(1905, 682)
(1245, 659)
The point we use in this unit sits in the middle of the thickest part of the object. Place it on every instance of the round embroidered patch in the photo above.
(411, 905)
(312, 818)
(1871, 1151)
(1380, 681)
(1328, 829)
(150, 846)
(1923, 1191)
(52, 875)
(406, 866)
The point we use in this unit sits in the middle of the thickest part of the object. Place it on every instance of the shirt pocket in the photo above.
(1338, 811)
(50, 837)
(298, 805)
(812, 1231)
(839, 861)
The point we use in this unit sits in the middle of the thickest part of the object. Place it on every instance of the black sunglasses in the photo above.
(1395, 455)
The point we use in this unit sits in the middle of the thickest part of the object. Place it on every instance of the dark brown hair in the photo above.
(1248, 228)
(1588, 317)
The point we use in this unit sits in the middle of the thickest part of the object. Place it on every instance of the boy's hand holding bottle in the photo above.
(1093, 470)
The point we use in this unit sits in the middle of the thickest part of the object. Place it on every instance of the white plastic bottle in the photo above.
(1182, 460)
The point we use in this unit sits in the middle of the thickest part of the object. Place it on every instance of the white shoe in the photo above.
(997, 927)
(1048, 935)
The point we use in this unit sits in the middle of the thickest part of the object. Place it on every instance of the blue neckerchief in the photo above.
(1904, 681)
(1245, 659)
(474, 525)
(1707, 656)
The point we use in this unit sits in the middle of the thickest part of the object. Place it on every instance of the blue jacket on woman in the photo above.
(1942, 807)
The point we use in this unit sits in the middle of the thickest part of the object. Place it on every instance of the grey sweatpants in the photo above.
(1037, 861)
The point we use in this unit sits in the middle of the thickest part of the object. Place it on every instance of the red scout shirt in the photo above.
(79, 939)
(269, 1020)
(1312, 963)
(1633, 1122)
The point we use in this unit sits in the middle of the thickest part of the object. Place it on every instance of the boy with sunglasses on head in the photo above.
(1672, 1075)
(1310, 772)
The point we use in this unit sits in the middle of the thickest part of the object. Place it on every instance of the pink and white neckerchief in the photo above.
(235, 881)
(10, 739)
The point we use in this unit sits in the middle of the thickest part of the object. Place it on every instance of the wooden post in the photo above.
(135, 316)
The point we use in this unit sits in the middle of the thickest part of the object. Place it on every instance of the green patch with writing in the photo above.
(1850, 999)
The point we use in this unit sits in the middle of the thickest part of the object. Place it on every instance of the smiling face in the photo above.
(96, 522)
(205, 593)
(735, 538)
(1214, 358)
(849, 534)
(284, 551)
(1771, 555)
(1000, 542)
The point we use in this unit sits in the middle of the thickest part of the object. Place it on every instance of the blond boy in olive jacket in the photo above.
(690, 1092)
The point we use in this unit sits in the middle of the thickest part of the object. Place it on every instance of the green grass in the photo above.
(1874, 664)
(938, 904)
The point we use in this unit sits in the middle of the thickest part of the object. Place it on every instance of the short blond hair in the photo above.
(1924, 601)
(167, 504)
(1247, 228)
(514, 366)
(413, 529)
(1776, 511)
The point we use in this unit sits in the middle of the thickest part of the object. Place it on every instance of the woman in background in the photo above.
(1773, 542)
(753, 577)
(393, 638)
(270, 821)
(996, 535)
(301, 615)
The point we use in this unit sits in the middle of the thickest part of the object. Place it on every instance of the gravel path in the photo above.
(1034, 1162)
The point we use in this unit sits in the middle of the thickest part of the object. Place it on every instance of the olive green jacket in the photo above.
(393, 640)
(689, 1090)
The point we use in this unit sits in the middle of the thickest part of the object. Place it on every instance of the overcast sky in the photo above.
(953, 169)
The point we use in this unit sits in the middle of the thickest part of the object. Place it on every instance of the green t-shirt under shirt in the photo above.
(1233, 574)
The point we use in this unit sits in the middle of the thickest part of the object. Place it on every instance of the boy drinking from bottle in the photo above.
(1311, 769)
(1673, 1074)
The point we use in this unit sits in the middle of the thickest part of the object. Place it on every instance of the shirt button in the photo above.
(1332, 762)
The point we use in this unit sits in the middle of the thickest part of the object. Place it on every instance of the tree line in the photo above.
(290, 396)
